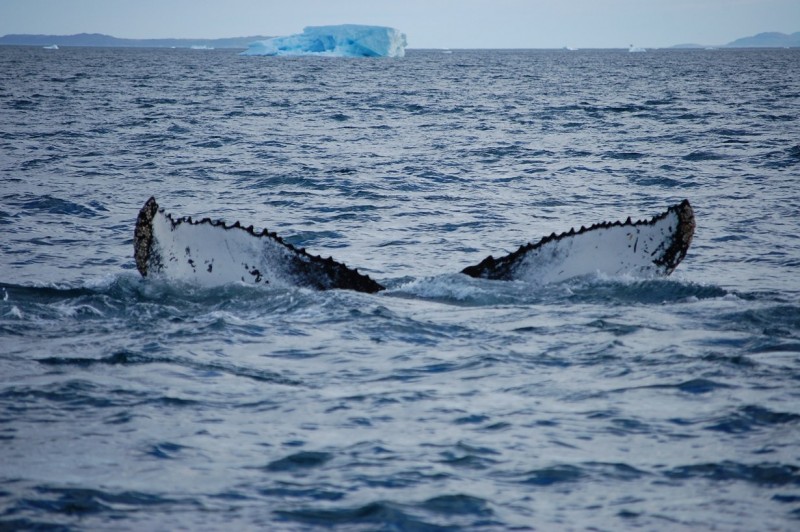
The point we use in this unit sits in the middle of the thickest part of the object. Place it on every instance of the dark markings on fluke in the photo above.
(152, 251)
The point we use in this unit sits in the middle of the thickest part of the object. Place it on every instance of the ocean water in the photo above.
(444, 402)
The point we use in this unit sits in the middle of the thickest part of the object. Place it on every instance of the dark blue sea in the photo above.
(445, 402)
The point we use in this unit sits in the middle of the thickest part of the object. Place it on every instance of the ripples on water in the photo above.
(445, 401)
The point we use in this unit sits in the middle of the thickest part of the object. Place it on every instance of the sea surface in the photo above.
(445, 402)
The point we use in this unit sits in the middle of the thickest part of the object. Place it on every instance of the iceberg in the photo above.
(345, 40)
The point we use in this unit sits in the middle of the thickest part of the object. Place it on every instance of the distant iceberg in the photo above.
(346, 40)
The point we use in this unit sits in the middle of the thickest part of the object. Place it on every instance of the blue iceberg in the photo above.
(346, 40)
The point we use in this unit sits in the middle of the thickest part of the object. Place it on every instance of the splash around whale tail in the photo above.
(211, 253)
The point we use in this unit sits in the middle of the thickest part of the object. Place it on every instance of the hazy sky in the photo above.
(427, 23)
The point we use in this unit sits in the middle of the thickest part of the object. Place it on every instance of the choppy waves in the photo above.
(445, 402)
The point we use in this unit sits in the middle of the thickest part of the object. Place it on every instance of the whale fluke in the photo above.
(652, 247)
(212, 253)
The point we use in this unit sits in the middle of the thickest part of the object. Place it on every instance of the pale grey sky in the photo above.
(427, 23)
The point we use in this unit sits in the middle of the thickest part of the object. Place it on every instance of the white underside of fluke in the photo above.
(644, 248)
(613, 251)
(213, 255)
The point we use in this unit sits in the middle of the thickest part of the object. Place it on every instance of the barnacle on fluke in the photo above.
(143, 235)
(213, 253)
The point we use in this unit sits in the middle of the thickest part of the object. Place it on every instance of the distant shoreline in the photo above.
(761, 40)
(101, 40)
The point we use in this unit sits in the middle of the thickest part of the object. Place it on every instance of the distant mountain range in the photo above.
(771, 39)
(98, 39)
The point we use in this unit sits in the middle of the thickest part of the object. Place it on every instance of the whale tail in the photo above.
(647, 247)
(212, 253)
